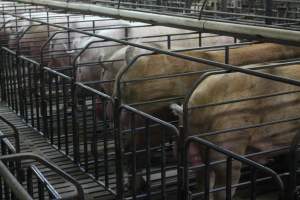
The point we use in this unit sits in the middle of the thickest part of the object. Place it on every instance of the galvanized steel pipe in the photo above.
(251, 31)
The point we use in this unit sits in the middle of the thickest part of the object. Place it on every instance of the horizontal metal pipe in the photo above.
(233, 29)
(182, 56)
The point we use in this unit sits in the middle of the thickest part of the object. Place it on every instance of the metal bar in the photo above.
(163, 165)
(228, 178)
(133, 159)
(178, 22)
(36, 89)
(243, 99)
(29, 181)
(269, 11)
(76, 146)
(95, 138)
(22, 156)
(85, 139)
(41, 192)
(135, 153)
(250, 126)
(206, 174)
(118, 149)
(13, 183)
(57, 103)
(277, 180)
(65, 118)
(44, 183)
(15, 135)
(105, 132)
(50, 80)
(293, 160)
(200, 60)
(25, 87)
(154, 119)
(1, 189)
(253, 184)
(148, 157)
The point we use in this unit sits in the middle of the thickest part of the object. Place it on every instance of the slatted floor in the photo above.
(31, 141)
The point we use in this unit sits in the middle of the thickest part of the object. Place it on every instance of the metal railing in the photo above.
(95, 138)
(42, 184)
(146, 149)
(15, 181)
(13, 187)
(232, 161)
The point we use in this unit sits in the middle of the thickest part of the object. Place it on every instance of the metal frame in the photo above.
(290, 151)
(117, 107)
(143, 125)
(79, 194)
(230, 157)
(42, 184)
(12, 172)
(207, 25)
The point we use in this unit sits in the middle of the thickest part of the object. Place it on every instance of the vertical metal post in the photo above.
(94, 27)
(74, 121)
(228, 178)
(133, 157)
(268, 10)
(182, 160)
(200, 39)
(293, 160)
(188, 5)
(69, 38)
(29, 181)
(65, 120)
(253, 184)
(30, 13)
(226, 60)
(148, 155)
(224, 5)
(74, 99)
(158, 2)
(3, 81)
(58, 118)
(118, 149)
(43, 95)
(48, 27)
(206, 174)
(95, 137)
(85, 137)
(19, 83)
(15, 66)
(126, 33)
(163, 165)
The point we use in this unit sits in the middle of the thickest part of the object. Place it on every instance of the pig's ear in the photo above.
(176, 109)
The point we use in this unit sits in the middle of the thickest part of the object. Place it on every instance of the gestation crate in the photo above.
(76, 87)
